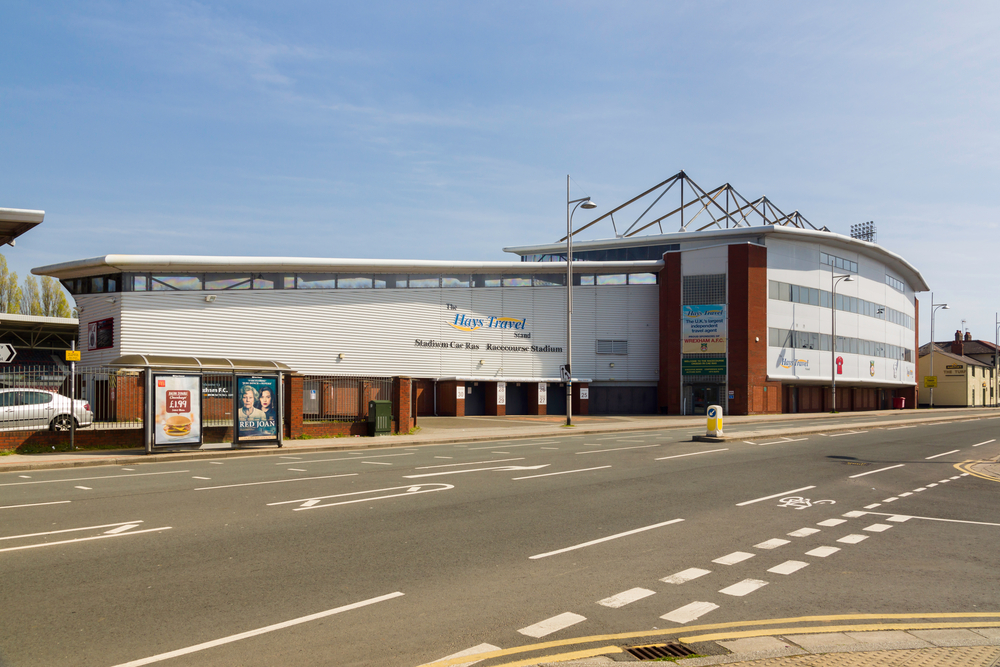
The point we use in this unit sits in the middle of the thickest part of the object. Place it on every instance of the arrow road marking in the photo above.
(311, 503)
(459, 472)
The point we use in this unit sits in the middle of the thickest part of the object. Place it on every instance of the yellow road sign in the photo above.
(930, 381)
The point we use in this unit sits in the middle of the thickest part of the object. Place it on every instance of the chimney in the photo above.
(957, 347)
(968, 336)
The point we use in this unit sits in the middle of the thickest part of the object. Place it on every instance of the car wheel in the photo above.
(62, 423)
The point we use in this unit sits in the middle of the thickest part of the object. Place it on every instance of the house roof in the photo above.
(944, 349)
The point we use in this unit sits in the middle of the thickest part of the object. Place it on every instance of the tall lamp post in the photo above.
(571, 206)
(996, 353)
(847, 278)
(934, 308)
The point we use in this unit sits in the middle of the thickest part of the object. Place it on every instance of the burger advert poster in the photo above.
(177, 419)
(256, 408)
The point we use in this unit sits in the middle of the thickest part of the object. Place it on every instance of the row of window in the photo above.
(607, 254)
(895, 284)
(612, 346)
(817, 297)
(145, 282)
(838, 262)
(806, 340)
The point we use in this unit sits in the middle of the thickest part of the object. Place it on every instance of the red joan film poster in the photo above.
(177, 416)
(257, 410)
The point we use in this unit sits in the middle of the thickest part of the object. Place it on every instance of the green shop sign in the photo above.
(703, 366)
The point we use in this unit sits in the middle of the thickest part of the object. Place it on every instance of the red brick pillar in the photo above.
(293, 406)
(533, 407)
(581, 406)
(491, 401)
(402, 404)
(668, 393)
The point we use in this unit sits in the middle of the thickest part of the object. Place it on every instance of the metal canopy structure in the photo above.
(198, 363)
(35, 332)
(720, 208)
(17, 221)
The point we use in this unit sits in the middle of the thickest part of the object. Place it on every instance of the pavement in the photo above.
(968, 643)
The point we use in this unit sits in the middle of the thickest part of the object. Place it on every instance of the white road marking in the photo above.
(804, 532)
(290, 457)
(733, 558)
(470, 463)
(296, 470)
(823, 552)
(896, 428)
(829, 523)
(458, 656)
(677, 456)
(216, 463)
(469, 652)
(307, 503)
(258, 631)
(121, 529)
(605, 539)
(853, 514)
(987, 442)
(528, 444)
(499, 452)
(873, 506)
(276, 481)
(943, 481)
(890, 500)
(955, 477)
(25, 476)
(922, 488)
(778, 442)
(744, 587)
(554, 624)
(616, 449)
(84, 479)
(564, 472)
(201, 477)
(377, 463)
(837, 435)
(69, 530)
(900, 518)
(84, 488)
(931, 486)
(85, 539)
(550, 448)
(872, 472)
(788, 567)
(853, 539)
(686, 575)
(942, 454)
(878, 527)
(772, 544)
(459, 472)
(54, 502)
(627, 597)
(903, 495)
(129, 469)
(689, 612)
(349, 458)
(783, 493)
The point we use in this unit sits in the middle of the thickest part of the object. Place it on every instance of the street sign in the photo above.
(72, 355)
(564, 373)
(7, 353)
(930, 381)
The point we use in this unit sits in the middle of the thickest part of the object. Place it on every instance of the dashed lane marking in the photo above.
(804, 532)
(823, 552)
(689, 612)
(733, 558)
(470, 463)
(84, 479)
(852, 539)
(744, 587)
(686, 575)
(626, 597)
(604, 539)
(873, 506)
(771, 544)
(829, 523)
(616, 449)
(788, 567)
(954, 451)
(872, 472)
(677, 456)
(276, 481)
(878, 527)
(564, 472)
(54, 502)
(776, 495)
(554, 624)
(475, 650)
(986, 443)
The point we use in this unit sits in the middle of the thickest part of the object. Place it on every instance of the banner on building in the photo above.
(177, 410)
(704, 328)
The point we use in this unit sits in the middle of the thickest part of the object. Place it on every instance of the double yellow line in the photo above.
(733, 630)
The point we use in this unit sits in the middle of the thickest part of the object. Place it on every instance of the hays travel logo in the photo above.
(791, 362)
(466, 323)
(694, 312)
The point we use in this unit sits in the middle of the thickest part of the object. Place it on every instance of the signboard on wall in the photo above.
(501, 393)
(703, 367)
(101, 334)
(257, 413)
(177, 410)
(543, 393)
(704, 328)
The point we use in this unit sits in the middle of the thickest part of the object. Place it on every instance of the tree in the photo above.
(6, 297)
(54, 303)
(13, 294)
(31, 297)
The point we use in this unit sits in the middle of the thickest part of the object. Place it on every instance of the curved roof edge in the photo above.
(897, 262)
(196, 263)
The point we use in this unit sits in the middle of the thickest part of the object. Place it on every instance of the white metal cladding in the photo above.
(94, 308)
(377, 330)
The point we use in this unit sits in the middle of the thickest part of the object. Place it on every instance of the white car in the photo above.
(36, 409)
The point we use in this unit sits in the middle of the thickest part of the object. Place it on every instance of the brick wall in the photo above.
(752, 393)
(669, 388)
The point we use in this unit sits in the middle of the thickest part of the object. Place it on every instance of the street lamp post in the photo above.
(934, 308)
(996, 353)
(834, 279)
(571, 206)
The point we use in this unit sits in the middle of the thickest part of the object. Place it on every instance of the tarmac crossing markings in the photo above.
(685, 575)
(689, 612)
(626, 597)
(551, 625)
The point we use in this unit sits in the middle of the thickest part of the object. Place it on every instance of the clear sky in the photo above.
(445, 130)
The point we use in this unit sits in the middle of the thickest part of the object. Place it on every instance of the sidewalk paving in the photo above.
(445, 430)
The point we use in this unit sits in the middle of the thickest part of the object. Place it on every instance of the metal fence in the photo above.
(341, 398)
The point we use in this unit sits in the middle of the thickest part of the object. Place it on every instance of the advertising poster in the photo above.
(704, 328)
(257, 410)
(177, 410)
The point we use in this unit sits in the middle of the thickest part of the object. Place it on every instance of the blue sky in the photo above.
(445, 130)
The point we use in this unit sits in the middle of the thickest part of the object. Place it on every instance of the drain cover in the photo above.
(654, 651)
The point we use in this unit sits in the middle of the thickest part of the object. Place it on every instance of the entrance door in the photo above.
(704, 395)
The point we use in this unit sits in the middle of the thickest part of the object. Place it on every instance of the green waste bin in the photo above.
(379, 418)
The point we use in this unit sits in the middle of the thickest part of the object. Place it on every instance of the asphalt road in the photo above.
(405, 556)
